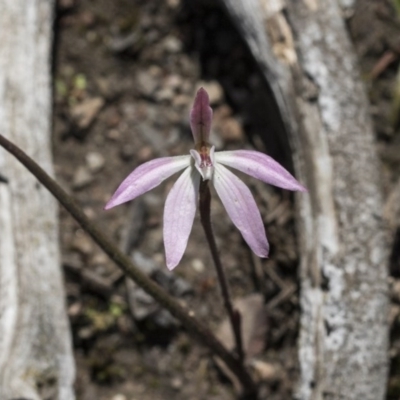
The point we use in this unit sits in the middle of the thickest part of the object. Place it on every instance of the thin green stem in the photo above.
(192, 325)
(234, 315)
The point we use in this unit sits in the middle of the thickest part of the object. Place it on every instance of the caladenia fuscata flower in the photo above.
(204, 163)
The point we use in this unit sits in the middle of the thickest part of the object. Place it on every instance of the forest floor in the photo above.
(125, 77)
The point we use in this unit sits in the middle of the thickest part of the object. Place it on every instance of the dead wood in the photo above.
(36, 359)
(304, 52)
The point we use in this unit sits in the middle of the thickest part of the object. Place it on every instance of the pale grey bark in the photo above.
(35, 345)
(306, 56)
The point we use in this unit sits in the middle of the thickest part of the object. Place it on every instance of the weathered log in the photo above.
(306, 56)
(36, 360)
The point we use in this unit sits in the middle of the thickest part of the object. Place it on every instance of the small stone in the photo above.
(181, 100)
(75, 309)
(81, 243)
(99, 259)
(159, 258)
(112, 117)
(187, 87)
(145, 154)
(119, 397)
(172, 44)
(66, 4)
(114, 134)
(146, 83)
(176, 383)
(173, 81)
(89, 212)
(108, 87)
(165, 94)
(198, 265)
(180, 287)
(95, 161)
(82, 178)
(214, 90)
(176, 286)
(223, 111)
(86, 333)
(173, 3)
(155, 71)
(142, 304)
(394, 312)
(395, 290)
(87, 18)
(164, 319)
(231, 130)
(145, 264)
(121, 44)
(129, 111)
(84, 113)
(266, 372)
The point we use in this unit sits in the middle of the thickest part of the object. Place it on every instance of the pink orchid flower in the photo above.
(204, 163)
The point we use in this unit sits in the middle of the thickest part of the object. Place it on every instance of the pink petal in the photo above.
(259, 166)
(146, 177)
(241, 208)
(201, 116)
(179, 212)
